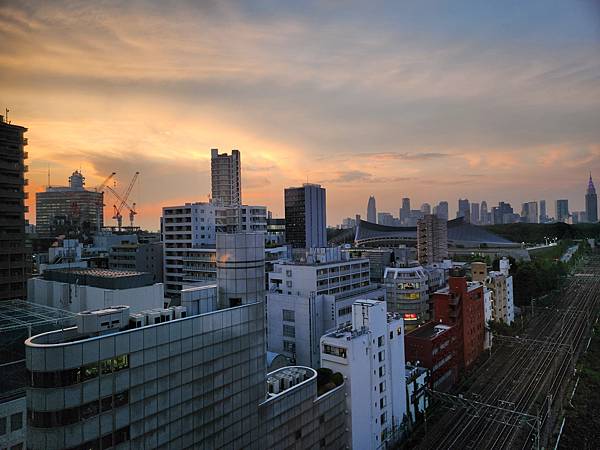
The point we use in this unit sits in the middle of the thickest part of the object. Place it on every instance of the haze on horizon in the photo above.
(431, 100)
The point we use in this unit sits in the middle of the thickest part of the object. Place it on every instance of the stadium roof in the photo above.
(459, 233)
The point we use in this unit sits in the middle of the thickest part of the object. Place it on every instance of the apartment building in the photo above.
(370, 355)
(500, 283)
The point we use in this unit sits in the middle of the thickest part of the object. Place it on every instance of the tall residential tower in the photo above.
(226, 178)
(14, 254)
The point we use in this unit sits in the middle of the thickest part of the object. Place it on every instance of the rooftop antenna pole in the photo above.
(6, 115)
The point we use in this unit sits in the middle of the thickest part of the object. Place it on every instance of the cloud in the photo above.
(387, 97)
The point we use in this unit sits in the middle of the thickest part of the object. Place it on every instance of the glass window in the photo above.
(289, 331)
(2, 426)
(16, 421)
(89, 372)
(289, 315)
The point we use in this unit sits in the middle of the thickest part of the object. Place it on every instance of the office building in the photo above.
(426, 208)
(462, 304)
(306, 216)
(432, 240)
(562, 210)
(543, 213)
(370, 356)
(275, 230)
(195, 226)
(348, 223)
(500, 284)
(311, 296)
(404, 210)
(464, 210)
(407, 292)
(591, 202)
(78, 290)
(190, 379)
(371, 210)
(138, 257)
(529, 212)
(385, 218)
(484, 218)
(20, 320)
(15, 254)
(503, 213)
(441, 210)
(226, 178)
(71, 210)
(475, 220)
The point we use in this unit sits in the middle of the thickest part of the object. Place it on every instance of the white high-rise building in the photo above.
(226, 178)
(195, 225)
(370, 356)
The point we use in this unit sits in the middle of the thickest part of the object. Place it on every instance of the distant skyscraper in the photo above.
(475, 213)
(441, 210)
(404, 210)
(503, 213)
(226, 178)
(372, 210)
(306, 216)
(15, 258)
(543, 213)
(562, 210)
(483, 213)
(432, 239)
(529, 212)
(591, 202)
(385, 218)
(464, 209)
(426, 208)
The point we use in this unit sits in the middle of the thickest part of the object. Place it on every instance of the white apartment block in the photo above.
(309, 298)
(195, 226)
(370, 356)
(500, 283)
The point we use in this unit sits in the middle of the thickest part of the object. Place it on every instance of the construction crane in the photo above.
(122, 201)
(99, 188)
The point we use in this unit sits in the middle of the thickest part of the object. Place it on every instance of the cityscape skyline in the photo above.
(431, 134)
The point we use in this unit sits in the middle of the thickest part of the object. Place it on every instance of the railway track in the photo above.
(515, 396)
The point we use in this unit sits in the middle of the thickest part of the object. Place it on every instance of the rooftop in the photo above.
(100, 278)
(17, 314)
(429, 330)
(459, 233)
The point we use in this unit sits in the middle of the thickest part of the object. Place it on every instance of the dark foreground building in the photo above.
(15, 259)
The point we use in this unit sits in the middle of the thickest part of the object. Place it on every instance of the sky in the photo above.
(432, 100)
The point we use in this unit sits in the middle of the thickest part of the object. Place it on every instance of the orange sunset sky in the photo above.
(427, 100)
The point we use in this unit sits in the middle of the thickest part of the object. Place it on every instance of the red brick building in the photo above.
(461, 304)
(435, 346)
(455, 338)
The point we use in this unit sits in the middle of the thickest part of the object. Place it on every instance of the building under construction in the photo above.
(70, 210)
